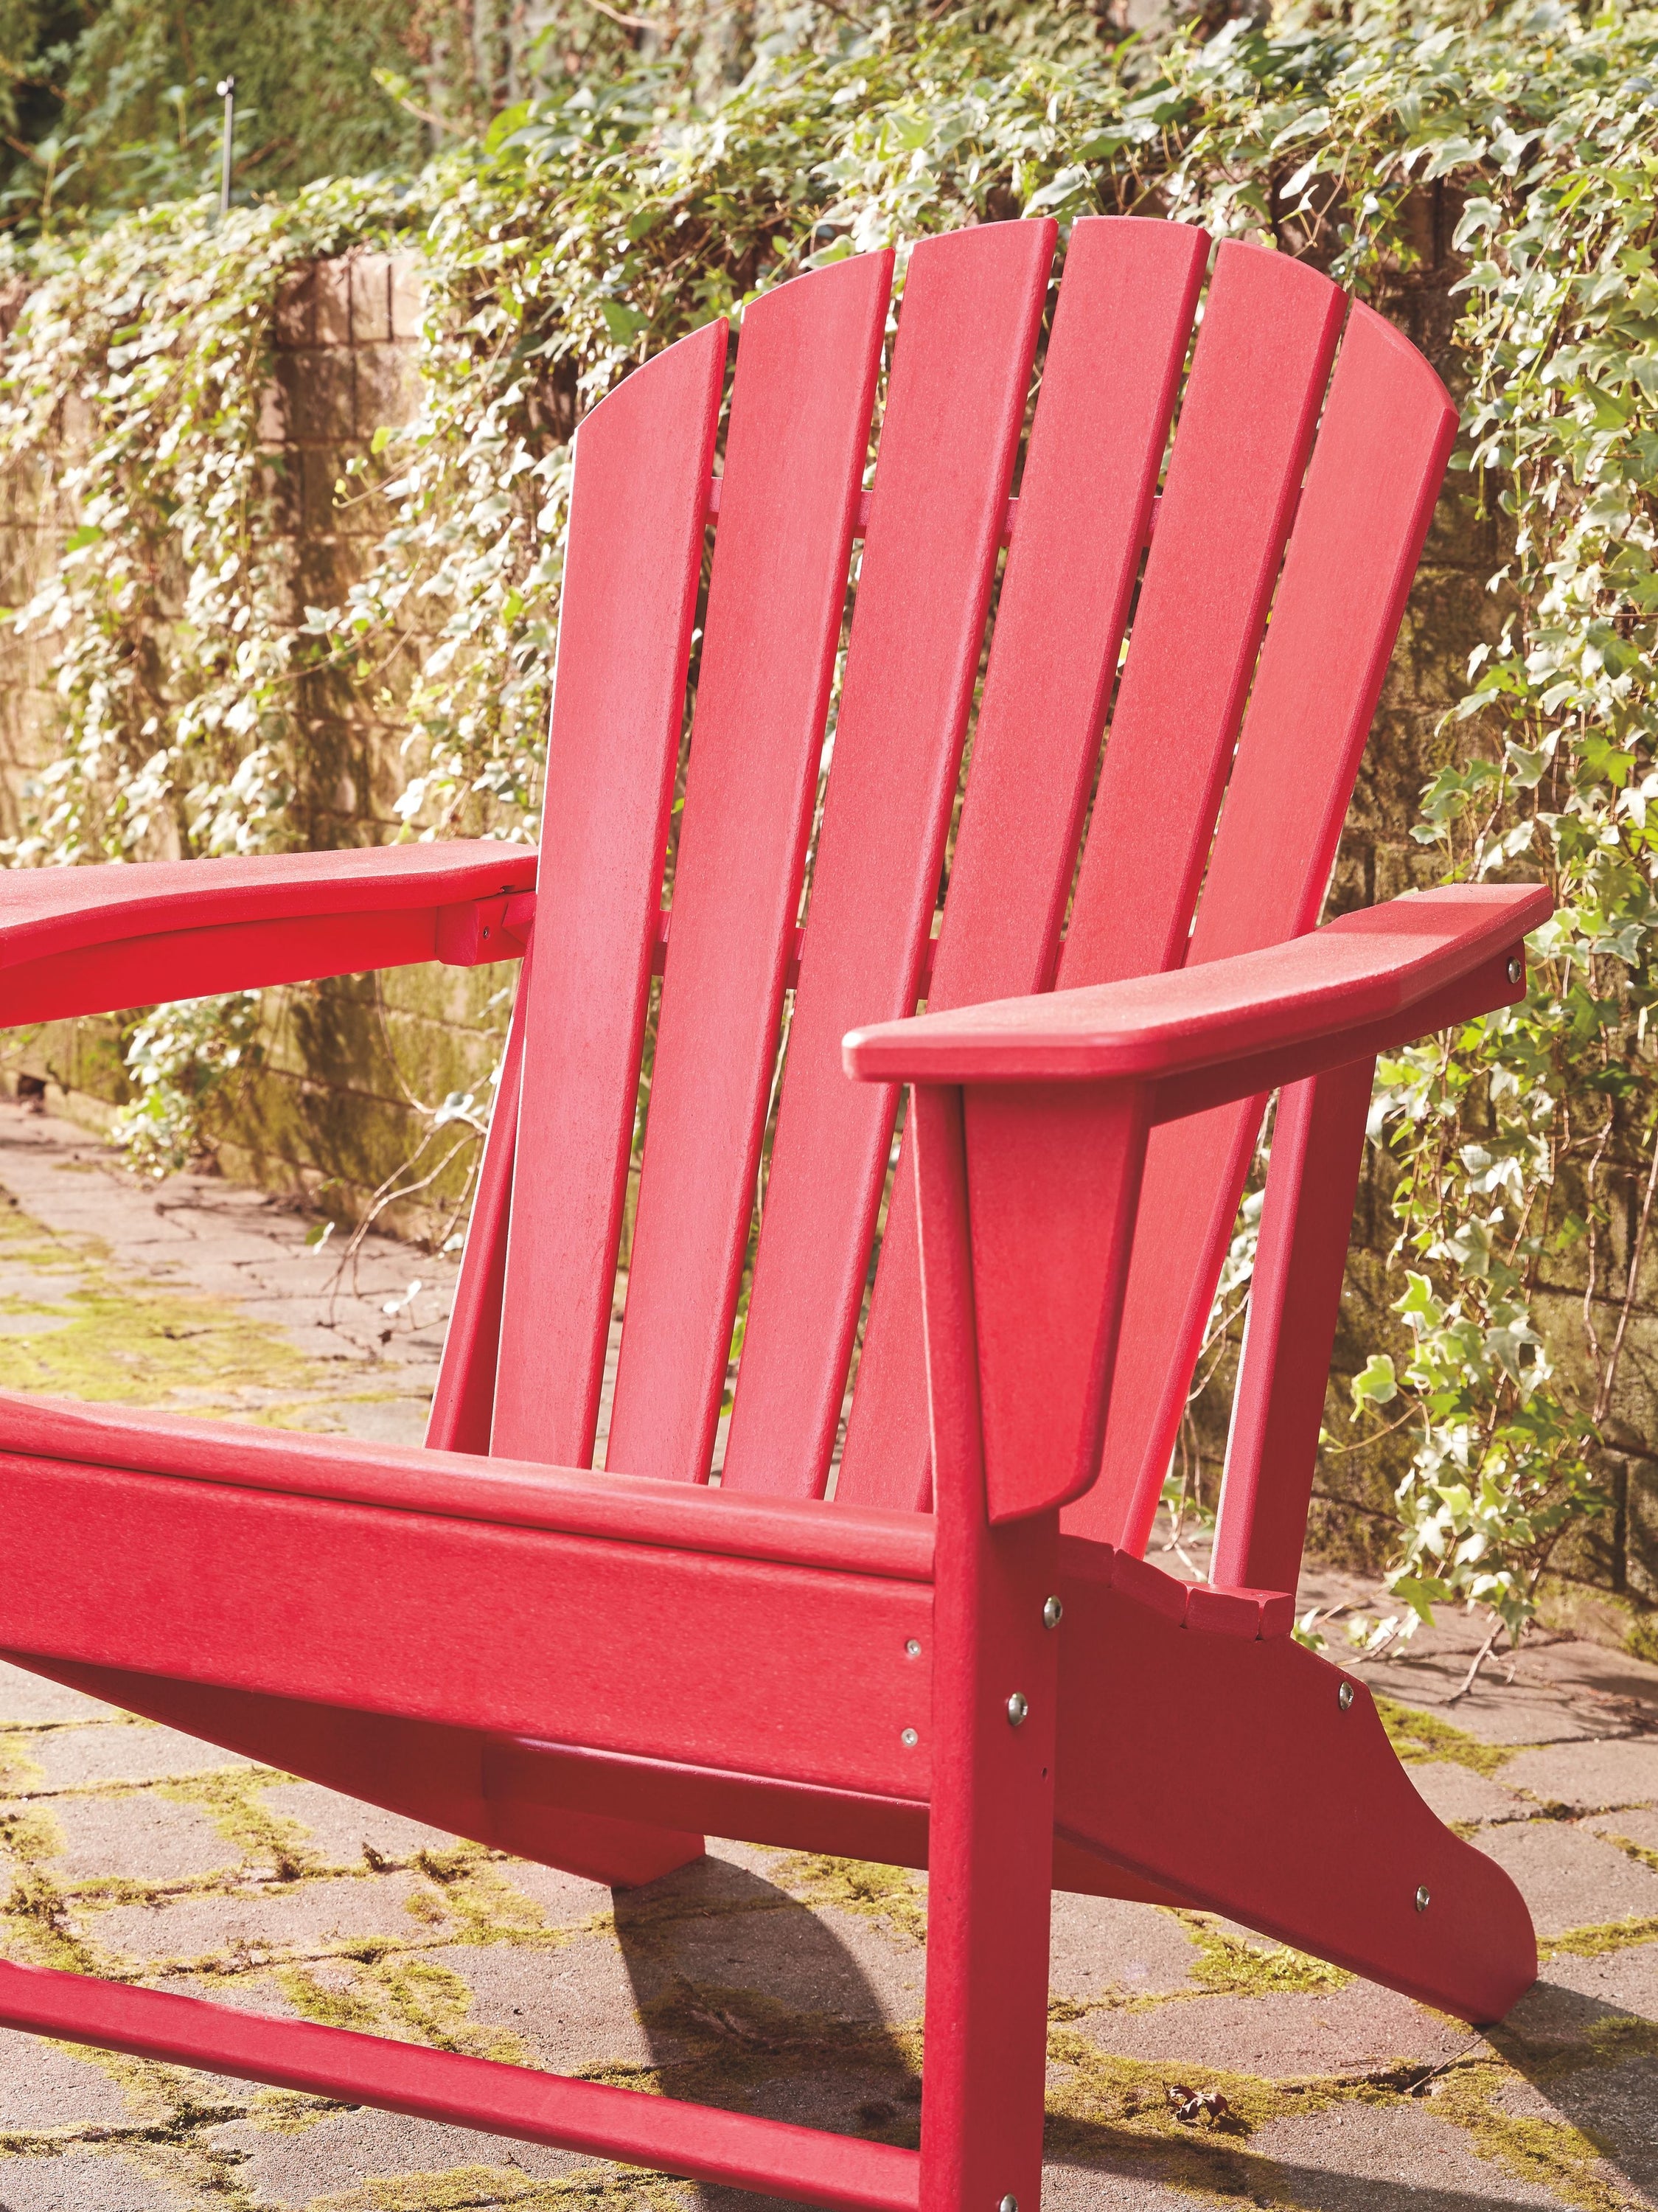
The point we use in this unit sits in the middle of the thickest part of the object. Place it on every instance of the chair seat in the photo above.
(762, 1637)
(574, 1501)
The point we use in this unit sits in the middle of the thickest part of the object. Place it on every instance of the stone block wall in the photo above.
(335, 1111)
(357, 1066)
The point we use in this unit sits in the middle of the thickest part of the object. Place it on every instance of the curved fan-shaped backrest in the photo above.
(1236, 490)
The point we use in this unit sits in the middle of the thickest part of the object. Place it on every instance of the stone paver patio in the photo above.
(786, 1984)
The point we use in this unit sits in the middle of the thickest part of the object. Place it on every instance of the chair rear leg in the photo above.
(1296, 1820)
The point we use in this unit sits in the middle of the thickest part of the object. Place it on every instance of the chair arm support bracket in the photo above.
(479, 930)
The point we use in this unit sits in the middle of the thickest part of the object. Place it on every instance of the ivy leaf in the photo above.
(623, 323)
(1376, 1385)
(1453, 153)
(1069, 184)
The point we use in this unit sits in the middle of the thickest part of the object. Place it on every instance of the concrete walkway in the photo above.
(772, 1980)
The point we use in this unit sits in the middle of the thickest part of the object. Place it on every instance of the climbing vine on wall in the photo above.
(594, 225)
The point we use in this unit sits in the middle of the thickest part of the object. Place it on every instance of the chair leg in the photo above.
(1297, 1819)
(991, 1857)
(995, 1698)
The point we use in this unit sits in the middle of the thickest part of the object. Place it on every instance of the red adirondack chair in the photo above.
(961, 1660)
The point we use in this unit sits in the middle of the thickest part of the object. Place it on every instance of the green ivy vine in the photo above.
(597, 223)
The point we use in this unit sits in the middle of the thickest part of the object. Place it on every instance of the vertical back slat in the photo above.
(632, 565)
(956, 404)
(1258, 375)
(801, 402)
(1369, 499)
(463, 1403)
(1113, 367)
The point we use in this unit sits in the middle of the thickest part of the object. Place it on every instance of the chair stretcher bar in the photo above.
(697, 2140)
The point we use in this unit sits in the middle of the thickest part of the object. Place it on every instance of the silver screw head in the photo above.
(1016, 1709)
(1008, 2204)
(912, 1649)
(1423, 1900)
(1344, 1697)
(910, 1738)
(1053, 1614)
(1516, 968)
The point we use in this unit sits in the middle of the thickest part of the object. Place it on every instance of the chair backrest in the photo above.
(767, 891)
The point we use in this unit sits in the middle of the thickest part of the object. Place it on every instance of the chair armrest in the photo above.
(1043, 1106)
(1227, 1028)
(90, 940)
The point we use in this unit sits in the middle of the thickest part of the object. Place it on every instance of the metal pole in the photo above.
(228, 93)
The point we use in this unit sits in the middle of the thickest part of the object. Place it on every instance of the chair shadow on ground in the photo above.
(1594, 2065)
(751, 2001)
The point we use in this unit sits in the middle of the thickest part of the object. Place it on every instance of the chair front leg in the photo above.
(995, 1695)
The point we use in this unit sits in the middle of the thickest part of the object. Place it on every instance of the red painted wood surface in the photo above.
(1124, 1802)
(1496, 982)
(1337, 1877)
(1295, 1298)
(599, 1814)
(698, 2141)
(1245, 424)
(1361, 970)
(593, 1669)
(44, 911)
(632, 562)
(1224, 1609)
(450, 1778)
(866, 500)
(405, 1477)
(464, 1401)
(1110, 378)
(995, 1669)
(1062, 1086)
(954, 405)
(476, 1624)
(1203, 1608)
(290, 920)
(192, 963)
(482, 930)
(794, 462)
(1135, 1577)
(1364, 515)
(1054, 1178)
